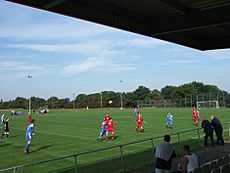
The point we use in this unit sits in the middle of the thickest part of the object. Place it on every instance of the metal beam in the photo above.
(53, 4)
(198, 20)
(219, 43)
(225, 28)
(178, 6)
(182, 39)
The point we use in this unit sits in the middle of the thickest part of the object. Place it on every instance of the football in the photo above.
(110, 102)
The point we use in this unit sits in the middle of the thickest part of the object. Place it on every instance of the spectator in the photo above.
(208, 132)
(189, 162)
(164, 155)
(216, 124)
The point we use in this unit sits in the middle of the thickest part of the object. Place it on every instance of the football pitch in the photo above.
(66, 132)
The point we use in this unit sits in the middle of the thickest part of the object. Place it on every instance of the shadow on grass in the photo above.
(41, 148)
(13, 136)
(4, 145)
(138, 161)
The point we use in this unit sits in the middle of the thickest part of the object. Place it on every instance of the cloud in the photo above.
(222, 57)
(50, 31)
(18, 66)
(90, 47)
(183, 61)
(96, 65)
(87, 48)
(146, 42)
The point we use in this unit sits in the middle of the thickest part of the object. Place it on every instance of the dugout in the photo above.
(199, 24)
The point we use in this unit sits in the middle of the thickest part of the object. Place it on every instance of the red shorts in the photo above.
(110, 129)
(139, 125)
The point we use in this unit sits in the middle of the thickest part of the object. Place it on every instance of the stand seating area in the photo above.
(221, 165)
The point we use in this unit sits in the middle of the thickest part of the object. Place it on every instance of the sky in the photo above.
(66, 56)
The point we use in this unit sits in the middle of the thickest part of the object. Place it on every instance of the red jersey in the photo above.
(193, 110)
(29, 119)
(196, 116)
(139, 121)
(110, 124)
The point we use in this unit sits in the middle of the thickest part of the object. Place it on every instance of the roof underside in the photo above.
(200, 24)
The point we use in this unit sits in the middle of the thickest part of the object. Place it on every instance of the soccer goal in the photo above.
(207, 104)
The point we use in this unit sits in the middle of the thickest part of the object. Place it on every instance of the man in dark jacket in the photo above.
(208, 132)
(216, 124)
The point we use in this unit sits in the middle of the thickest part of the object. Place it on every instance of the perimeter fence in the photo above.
(140, 154)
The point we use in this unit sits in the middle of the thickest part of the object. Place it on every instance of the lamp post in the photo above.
(73, 101)
(29, 77)
(121, 97)
(101, 99)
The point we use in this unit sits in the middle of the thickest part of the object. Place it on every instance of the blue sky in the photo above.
(66, 55)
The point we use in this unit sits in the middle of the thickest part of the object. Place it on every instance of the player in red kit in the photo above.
(139, 123)
(193, 111)
(107, 117)
(110, 124)
(196, 118)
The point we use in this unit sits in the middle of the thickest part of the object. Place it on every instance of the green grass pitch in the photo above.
(66, 132)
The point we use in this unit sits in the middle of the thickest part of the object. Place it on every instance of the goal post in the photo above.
(208, 104)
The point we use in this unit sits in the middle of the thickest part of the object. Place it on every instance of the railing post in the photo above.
(75, 158)
(152, 145)
(178, 136)
(229, 130)
(15, 170)
(122, 160)
(198, 133)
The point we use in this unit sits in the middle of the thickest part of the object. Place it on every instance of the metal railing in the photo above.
(122, 166)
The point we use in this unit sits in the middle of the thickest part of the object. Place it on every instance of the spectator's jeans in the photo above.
(162, 171)
(219, 138)
(206, 139)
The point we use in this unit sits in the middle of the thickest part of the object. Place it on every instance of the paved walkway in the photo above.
(210, 153)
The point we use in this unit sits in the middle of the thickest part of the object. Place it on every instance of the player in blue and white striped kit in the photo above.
(29, 134)
(103, 130)
(2, 119)
(169, 122)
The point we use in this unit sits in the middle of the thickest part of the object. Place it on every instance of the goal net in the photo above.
(207, 104)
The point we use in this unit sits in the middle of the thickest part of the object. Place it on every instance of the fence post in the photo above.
(178, 136)
(15, 170)
(122, 161)
(229, 130)
(198, 133)
(75, 158)
(152, 145)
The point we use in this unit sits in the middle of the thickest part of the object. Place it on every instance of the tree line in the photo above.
(180, 96)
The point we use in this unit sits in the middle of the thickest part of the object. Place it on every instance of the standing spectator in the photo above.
(2, 119)
(208, 132)
(6, 128)
(216, 124)
(29, 133)
(164, 155)
(189, 162)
